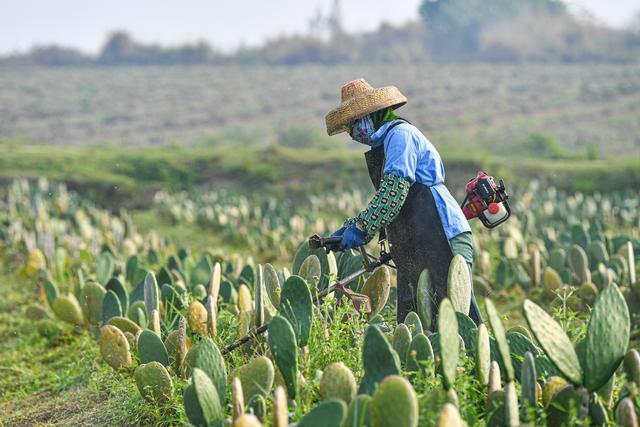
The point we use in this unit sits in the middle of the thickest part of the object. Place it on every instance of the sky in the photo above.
(224, 24)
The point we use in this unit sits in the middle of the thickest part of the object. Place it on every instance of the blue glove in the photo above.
(335, 247)
(353, 237)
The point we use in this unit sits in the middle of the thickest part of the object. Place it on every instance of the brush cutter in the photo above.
(360, 302)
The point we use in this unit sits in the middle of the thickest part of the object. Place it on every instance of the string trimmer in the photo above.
(360, 302)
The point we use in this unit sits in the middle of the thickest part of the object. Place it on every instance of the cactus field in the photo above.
(105, 322)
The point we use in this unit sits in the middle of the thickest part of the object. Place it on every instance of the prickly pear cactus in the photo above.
(468, 331)
(296, 306)
(154, 322)
(359, 413)
(209, 360)
(459, 284)
(632, 366)
(151, 294)
(413, 323)
(401, 341)
(201, 401)
(272, 284)
(151, 348)
(280, 409)
(394, 403)
(511, 410)
(338, 382)
(125, 325)
(551, 281)
(247, 420)
(91, 298)
(424, 296)
(377, 287)
(256, 377)
(330, 413)
(282, 342)
(529, 382)
(379, 360)
(552, 385)
(197, 316)
(420, 356)
(554, 341)
(607, 337)
(328, 264)
(114, 347)
(154, 382)
(449, 343)
(564, 401)
(51, 291)
(518, 346)
(310, 271)
(67, 309)
(118, 288)
(483, 355)
(110, 306)
(36, 312)
(579, 264)
(237, 398)
(449, 417)
(104, 268)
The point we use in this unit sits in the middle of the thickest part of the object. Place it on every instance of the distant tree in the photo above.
(56, 56)
(118, 47)
(455, 25)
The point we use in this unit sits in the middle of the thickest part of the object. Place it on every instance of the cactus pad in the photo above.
(197, 318)
(67, 309)
(282, 342)
(554, 341)
(296, 306)
(424, 296)
(151, 295)
(401, 341)
(114, 347)
(449, 342)
(607, 337)
(483, 355)
(337, 382)
(91, 298)
(330, 413)
(501, 340)
(420, 356)
(110, 306)
(394, 404)
(377, 288)
(154, 382)
(379, 360)
(414, 323)
(459, 284)
(125, 325)
(151, 348)
(209, 360)
(449, 417)
(256, 377)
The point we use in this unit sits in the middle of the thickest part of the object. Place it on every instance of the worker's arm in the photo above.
(401, 158)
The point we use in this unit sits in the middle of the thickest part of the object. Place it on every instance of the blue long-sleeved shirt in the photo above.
(410, 155)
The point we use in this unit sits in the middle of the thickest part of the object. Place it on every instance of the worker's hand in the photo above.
(352, 238)
(335, 247)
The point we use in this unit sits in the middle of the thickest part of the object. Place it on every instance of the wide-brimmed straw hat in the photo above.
(359, 98)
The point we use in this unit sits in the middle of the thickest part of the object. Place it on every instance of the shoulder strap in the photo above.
(398, 121)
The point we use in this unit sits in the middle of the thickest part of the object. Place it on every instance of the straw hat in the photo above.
(359, 98)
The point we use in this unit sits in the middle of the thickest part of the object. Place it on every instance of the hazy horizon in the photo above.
(225, 26)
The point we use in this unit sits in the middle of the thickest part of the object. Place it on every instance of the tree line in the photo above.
(448, 30)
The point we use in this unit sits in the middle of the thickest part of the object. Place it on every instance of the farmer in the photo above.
(424, 223)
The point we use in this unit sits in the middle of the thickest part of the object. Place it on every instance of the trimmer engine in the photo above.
(486, 200)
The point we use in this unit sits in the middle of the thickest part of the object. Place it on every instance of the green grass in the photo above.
(130, 177)
(61, 380)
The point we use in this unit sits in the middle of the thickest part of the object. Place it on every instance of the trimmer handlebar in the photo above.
(316, 241)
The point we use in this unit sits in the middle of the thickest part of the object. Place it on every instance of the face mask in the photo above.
(362, 130)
